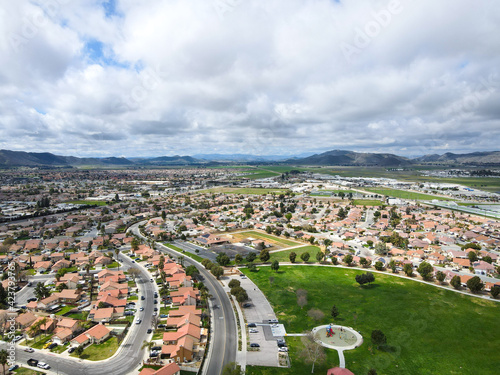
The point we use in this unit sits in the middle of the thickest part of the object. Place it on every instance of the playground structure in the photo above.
(337, 337)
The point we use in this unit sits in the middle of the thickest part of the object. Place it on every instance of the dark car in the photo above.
(155, 301)
(149, 331)
(13, 368)
(143, 298)
(155, 309)
(251, 325)
(162, 325)
(155, 348)
(254, 345)
(32, 362)
(32, 299)
(72, 349)
(53, 345)
(247, 305)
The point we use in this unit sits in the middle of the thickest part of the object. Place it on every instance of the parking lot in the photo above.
(260, 312)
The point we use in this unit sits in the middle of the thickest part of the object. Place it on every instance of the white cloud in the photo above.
(178, 77)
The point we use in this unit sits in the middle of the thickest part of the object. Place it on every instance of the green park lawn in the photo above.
(429, 330)
(366, 202)
(405, 194)
(284, 256)
(263, 236)
(27, 371)
(91, 203)
(65, 309)
(194, 256)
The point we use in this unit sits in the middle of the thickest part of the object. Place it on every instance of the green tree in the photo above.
(472, 256)
(223, 259)
(440, 276)
(379, 266)
(319, 256)
(334, 312)
(408, 269)
(264, 255)
(348, 259)
(372, 371)
(380, 248)
(495, 291)
(392, 266)
(475, 284)
(378, 338)
(238, 259)
(234, 283)
(363, 262)
(4, 359)
(456, 282)
(251, 257)
(41, 291)
(305, 256)
(292, 257)
(425, 270)
(275, 266)
(217, 271)
(79, 350)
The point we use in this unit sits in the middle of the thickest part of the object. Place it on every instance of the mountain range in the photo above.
(335, 157)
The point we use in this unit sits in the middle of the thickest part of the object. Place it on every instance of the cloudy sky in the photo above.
(165, 77)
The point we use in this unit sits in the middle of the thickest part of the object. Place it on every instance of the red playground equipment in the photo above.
(329, 331)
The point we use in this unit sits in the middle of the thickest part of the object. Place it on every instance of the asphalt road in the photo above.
(129, 355)
(224, 331)
(191, 248)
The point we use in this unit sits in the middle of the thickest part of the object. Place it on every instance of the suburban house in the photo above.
(94, 335)
(169, 369)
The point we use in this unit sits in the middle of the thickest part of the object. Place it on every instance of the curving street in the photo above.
(128, 357)
(224, 330)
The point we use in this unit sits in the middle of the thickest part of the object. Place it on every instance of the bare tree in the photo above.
(134, 272)
(316, 314)
(312, 352)
(301, 297)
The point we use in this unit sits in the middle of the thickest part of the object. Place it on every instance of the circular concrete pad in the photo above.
(343, 338)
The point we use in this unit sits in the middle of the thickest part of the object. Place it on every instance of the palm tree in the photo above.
(4, 357)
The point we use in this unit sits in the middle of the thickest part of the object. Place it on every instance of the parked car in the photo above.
(155, 309)
(53, 345)
(143, 298)
(43, 365)
(47, 345)
(162, 325)
(151, 280)
(17, 338)
(155, 301)
(32, 362)
(254, 345)
(247, 305)
(138, 321)
(29, 350)
(253, 330)
(141, 309)
(163, 315)
(155, 348)
(273, 321)
(251, 325)
(283, 349)
(149, 331)
(13, 368)
(32, 299)
(72, 349)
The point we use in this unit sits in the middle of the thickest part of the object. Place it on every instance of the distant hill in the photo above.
(474, 158)
(351, 158)
(171, 160)
(46, 159)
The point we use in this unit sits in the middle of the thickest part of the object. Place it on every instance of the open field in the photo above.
(254, 191)
(91, 203)
(404, 194)
(276, 241)
(284, 256)
(429, 330)
(367, 202)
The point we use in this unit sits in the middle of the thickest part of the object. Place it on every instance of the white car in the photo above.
(43, 365)
(253, 330)
(283, 349)
(138, 321)
(29, 350)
